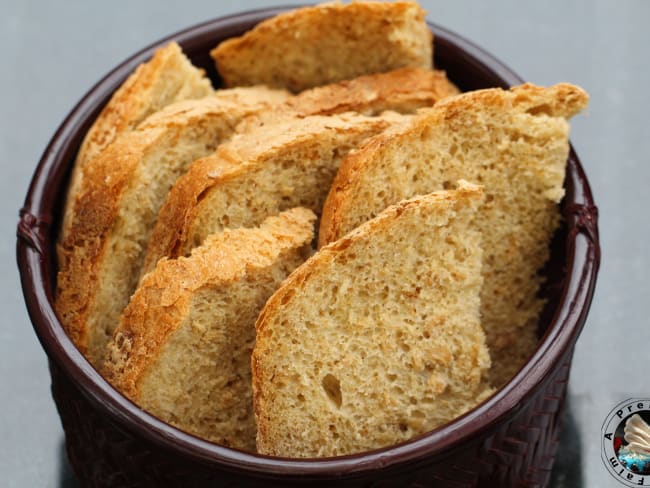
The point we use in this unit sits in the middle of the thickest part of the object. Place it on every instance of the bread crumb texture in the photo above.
(182, 350)
(166, 78)
(257, 174)
(376, 338)
(123, 189)
(515, 143)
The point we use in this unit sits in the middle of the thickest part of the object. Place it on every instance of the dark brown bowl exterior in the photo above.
(510, 440)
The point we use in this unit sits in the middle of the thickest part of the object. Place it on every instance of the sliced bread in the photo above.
(404, 90)
(123, 189)
(183, 347)
(313, 46)
(376, 338)
(258, 174)
(515, 143)
(168, 77)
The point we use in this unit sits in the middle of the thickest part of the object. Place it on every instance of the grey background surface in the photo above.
(54, 51)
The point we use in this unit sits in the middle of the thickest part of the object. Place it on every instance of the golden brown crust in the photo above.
(404, 90)
(175, 216)
(164, 295)
(168, 71)
(561, 100)
(227, 99)
(107, 180)
(95, 212)
(312, 46)
(130, 104)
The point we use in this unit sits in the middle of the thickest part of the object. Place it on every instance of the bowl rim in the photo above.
(36, 262)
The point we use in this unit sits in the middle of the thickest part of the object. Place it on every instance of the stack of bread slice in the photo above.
(257, 174)
(168, 77)
(121, 192)
(188, 247)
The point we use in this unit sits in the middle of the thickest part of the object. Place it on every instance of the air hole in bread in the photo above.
(332, 388)
(544, 109)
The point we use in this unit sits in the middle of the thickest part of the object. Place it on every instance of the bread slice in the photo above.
(168, 77)
(183, 347)
(255, 175)
(123, 190)
(515, 143)
(313, 46)
(376, 338)
(404, 90)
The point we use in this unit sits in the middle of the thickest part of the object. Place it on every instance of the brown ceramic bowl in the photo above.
(509, 440)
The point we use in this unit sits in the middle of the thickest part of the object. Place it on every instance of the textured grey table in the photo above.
(53, 52)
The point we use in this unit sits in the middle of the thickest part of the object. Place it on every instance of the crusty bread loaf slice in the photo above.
(183, 348)
(404, 90)
(313, 46)
(376, 338)
(515, 143)
(258, 174)
(168, 77)
(123, 190)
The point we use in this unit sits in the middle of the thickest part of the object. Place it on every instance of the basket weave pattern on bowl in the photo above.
(510, 440)
(519, 453)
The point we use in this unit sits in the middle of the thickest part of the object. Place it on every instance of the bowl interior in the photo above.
(469, 67)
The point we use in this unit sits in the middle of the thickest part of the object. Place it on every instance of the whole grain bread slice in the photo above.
(313, 46)
(516, 144)
(376, 338)
(183, 347)
(168, 77)
(404, 90)
(258, 174)
(123, 190)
